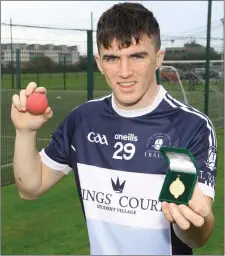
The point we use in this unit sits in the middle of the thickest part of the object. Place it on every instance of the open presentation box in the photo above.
(181, 176)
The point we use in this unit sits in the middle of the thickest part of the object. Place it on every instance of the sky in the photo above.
(176, 18)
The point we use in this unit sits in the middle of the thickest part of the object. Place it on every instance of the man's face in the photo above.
(130, 72)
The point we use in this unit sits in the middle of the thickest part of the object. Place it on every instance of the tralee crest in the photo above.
(154, 144)
(158, 143)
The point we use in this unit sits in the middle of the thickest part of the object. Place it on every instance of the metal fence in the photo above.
(62, 60)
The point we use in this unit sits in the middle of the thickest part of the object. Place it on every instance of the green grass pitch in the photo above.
(54, 224)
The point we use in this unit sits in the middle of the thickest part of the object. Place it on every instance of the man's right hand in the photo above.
(21, 118)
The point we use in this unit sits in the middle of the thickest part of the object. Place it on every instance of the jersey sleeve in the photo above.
(204, 149)
(57, 153)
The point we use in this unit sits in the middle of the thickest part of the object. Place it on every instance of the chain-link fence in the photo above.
(188, 54)
(62, 61)
(53, 58)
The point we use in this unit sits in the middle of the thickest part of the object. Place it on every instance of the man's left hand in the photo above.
(195, 213)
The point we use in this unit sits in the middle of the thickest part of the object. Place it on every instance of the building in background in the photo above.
(29, 51)
(179, 50)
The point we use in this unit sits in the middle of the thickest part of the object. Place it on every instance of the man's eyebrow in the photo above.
(106, 56)
(142, 53)
(139, 53)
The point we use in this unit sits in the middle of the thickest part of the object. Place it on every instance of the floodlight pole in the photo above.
(206, 107)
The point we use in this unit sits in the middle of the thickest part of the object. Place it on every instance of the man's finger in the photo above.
(180, 220)
(48, 113)
(198, 202)
(16, 101)
(30, 88)
(23, 100)
(166, 211)
(191, 216)
(40, 90)
(199, 207)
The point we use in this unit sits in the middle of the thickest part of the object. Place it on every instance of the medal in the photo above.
(177, 187)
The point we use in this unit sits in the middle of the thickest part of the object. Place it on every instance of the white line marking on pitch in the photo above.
(11, 137)
(6, 165)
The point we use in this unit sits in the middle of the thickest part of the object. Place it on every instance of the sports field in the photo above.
(63, 101)
(54, 224)
(73, 81)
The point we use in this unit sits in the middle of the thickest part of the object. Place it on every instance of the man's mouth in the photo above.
(126, 84)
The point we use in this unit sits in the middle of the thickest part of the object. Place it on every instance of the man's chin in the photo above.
(128, 101)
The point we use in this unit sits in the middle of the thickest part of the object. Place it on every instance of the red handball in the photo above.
(37, 103)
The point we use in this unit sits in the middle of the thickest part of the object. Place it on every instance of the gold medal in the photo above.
(177, 187)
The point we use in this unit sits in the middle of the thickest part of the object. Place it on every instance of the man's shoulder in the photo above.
(186, 113)
(91, 108)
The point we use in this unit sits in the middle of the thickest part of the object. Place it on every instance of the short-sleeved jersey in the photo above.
(119, 170)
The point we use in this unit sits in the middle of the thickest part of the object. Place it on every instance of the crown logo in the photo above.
(117, 187)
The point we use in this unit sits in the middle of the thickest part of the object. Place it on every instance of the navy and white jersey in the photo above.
(119, 170)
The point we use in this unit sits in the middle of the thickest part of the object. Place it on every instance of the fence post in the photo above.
(12, 75)
(12, 64)
(90, 77)
(38, 78)
(158, 76)
(18, 71)
(206, 107)
(64, 72)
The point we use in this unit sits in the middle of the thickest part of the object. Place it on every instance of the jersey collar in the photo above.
(143, 111)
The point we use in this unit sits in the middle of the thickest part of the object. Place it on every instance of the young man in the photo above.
(112, 144)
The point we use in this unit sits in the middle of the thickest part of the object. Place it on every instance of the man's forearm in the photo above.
(196, 237)
(27, 163)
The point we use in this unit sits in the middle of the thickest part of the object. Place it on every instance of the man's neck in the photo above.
(143, 109)
(145, 102)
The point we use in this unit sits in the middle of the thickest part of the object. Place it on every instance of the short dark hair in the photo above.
(125, 21)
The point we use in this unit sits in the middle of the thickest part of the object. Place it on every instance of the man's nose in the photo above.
(125, 69)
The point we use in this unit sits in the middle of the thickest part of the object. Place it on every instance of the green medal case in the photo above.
(181, 176)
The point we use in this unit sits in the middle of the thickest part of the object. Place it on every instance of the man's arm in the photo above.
(194, 223)
(32, 177)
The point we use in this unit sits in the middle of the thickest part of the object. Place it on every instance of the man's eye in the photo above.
(137, 57)
(111, 58)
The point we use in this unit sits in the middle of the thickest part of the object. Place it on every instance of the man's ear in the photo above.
(99, 64)
(160, 58)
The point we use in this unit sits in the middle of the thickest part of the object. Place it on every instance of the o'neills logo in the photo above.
(128, 137)
(123, 204)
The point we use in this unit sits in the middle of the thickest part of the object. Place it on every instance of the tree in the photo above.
(193, 44)
(83, 63)
(193, 51)
(41, 63)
